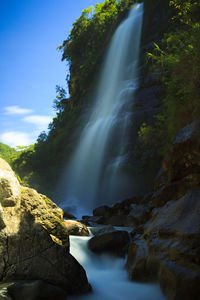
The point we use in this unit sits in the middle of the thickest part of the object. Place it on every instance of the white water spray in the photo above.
(93, 173)
(108, 277)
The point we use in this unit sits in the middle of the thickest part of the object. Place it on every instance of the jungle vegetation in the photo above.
(175, 61)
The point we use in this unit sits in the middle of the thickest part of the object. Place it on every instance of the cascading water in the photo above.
(108, 277)
(93, 173)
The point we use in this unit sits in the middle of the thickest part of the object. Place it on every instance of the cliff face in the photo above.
(143, 159)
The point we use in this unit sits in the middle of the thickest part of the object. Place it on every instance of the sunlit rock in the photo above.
(10, 189)
(76, 228)
(45, 212)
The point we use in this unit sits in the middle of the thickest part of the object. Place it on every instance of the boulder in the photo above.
(114, 242)
(10, 189)
(76, 228)
(28, 246)
(168, 248)
(118, 214)
(27, 250)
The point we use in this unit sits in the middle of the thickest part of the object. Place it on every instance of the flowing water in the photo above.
(108, 276)
(94, 175)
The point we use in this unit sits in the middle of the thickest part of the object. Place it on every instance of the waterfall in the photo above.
(94, 175)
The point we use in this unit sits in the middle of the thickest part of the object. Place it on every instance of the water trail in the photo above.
(108, 276)
(93, 172)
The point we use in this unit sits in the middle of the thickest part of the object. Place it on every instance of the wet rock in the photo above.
(36, 290)
(76, 228)
(115, 242)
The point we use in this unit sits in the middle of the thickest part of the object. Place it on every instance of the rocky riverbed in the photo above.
(161, 243)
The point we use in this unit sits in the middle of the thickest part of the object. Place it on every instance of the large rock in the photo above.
(113, 241)
(27, 246)
(76, 228)
(123, 213)
(172, 251)
(10, 189)
(27, 251)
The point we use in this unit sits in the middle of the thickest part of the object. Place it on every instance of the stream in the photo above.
(108, 276)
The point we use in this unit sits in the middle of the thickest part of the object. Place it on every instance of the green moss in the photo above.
(47, 200)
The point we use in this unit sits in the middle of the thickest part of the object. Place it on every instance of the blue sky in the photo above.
(30, 65)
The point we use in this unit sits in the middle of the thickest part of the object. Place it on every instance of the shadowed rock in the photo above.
(115, 242)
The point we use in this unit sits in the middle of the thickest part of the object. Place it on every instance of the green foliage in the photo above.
(46, 200)
(21, 162)
(177, 63)
(61, 99)
(7, 152)
(146, 134)
(88, 39)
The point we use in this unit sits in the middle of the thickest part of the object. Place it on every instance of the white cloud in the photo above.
(16, 110)
(16, 138)
(40, 121)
